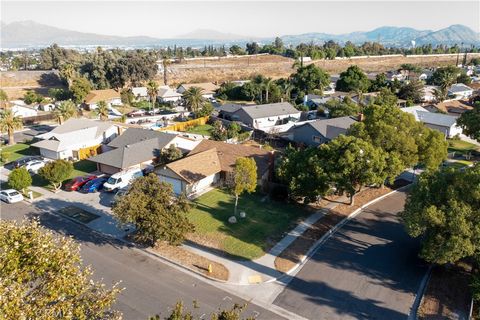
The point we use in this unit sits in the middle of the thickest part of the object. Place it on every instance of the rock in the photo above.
(243, 214)
(232, 219)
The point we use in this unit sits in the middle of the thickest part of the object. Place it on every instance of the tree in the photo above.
(31, 97)
(3, 98)
(9, 122)
(194, 98)
(170, 154)
(206, 110)
(165, 63)
(152, 90)
(310, 78)
(342, 108)
(268, 84)
(470, 122)
(56, 172)
(386, 98)
(443, 210)
(179, 313)
(67, 73)
(353, 163)
(219, 133)
(380, 82)
(80, 88)
(19, 179)
(65, 111)
(43, 277)
(236, 50)
(445, 76)
(154, 210)
(233, 130)
(413, 91)
(252, 48)
(303, 172)
(353, 80)
(102, 110)
(245, 178)
(440, 94)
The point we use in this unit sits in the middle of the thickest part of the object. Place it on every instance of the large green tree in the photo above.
(412, 91)
(194, 98)
(443, 209)
(353, 80)
(102, 110)
(342, 108)
(154, 210)
(470, 122)
(80, 88)
(445, 76)
(42, 277)
(9, 122)
(56, 172)
(65, 111)
(19, 179)
(310, 78)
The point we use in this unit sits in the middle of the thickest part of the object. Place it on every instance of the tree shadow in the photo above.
(49, 79)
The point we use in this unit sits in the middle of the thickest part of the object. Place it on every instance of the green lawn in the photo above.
(249, 238)
(17, 151)
(80, 168)
(461, 146)
(459, 164)
(204, 130)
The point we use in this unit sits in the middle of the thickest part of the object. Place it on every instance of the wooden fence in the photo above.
(185, 126)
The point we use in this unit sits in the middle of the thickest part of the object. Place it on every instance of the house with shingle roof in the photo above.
(110, 96)
(137, 148)
(69, 139)
(444, 123)
(211, 164)
(167, 94)
(460, 91)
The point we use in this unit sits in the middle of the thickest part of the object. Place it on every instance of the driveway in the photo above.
(368, 270)
(151, 286)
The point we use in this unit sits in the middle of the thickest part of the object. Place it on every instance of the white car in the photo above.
(11, 196)
(34, 165)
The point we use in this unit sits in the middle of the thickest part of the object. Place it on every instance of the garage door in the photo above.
(177, 184)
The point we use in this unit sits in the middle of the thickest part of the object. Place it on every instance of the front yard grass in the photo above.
(17, 151)
(249, 238)
(461, 146)
(80, 168)
(204, 130)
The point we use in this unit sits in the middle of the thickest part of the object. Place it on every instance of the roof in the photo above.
(414, 110)
(438, 119)
(74, 124)
(330, 128)
(269, 110)
(101, 95)
(229, 153)
(454, 106)
(208, 87)
(459, 87)
(140, 91)
(134, 135)
(167, 92)
(197, 167)
(230, 107)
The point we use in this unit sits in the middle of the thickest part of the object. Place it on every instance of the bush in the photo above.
(56, 172)
(19, 179)
(5, 156)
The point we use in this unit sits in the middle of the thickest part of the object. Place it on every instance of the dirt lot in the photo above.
(16, 83)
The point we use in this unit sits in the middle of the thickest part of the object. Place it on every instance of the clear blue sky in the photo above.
(250, 18)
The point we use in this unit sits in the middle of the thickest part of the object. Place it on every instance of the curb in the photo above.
(331, 232)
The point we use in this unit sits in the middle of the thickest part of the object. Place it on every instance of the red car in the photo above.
(77, 182)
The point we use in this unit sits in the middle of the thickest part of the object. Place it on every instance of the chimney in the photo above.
(360, 117)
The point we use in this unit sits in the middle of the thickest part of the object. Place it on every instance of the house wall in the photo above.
(23, 111)
(203, 184)
(49, 154)
(269, 122)
(450, 132)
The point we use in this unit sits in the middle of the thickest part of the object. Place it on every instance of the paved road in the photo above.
(150, 285)
(368, 270)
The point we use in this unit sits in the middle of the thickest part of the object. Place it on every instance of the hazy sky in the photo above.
(250, 18)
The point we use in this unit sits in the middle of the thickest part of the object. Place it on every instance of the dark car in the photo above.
(23, 161)
(93, 185)
(77, 182)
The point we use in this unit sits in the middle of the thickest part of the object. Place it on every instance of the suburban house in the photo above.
(110, 96)
(228, 110)
(429, 93)
(76, 139)
(46, 106)
(137, 148)
(208, 89)
(453, 107)
(314, 133)
(266, 116)
(140, 93)
(211, 164)
(444, 123)
(167, 94)
(460, 91)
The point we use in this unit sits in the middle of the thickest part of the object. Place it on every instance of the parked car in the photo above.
(93, 185)
(77, 182)
(120, 193)
(136, 113)
(23, 161)
(153, 111)
(34, 165)
(122, 179)
(10, 196)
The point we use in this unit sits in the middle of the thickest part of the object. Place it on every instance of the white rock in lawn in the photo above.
(232, 219)
(243, 214)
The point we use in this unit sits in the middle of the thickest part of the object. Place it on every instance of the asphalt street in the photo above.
(151, 286)
(368, 270)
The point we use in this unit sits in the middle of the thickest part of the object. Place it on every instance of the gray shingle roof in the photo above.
(438, 119)
(459, 87)
(230, 107)
(134, 135)
(269, 110)
(332, 128)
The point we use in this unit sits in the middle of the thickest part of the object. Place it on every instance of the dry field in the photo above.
(16, 83)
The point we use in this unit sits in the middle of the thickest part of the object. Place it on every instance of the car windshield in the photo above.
(13, 193)
(112, 180)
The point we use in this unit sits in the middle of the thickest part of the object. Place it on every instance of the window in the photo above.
(317, 139)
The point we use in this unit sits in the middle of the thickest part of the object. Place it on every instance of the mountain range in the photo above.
(30, 34)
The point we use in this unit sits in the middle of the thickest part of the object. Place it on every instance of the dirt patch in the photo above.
(192, 261)
(294, 253)
(17, 83)
(447, 295)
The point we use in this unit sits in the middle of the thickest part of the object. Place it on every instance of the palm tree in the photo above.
(9, 122)
(102, 110)
(3, 98)
(152, 89)
(440, 94)
(267, 84)
(65, 111)
(67, 72)
(166, 62)
(288, 87)
(193, 98)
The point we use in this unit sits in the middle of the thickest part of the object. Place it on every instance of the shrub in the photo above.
(19, 179)
(56, 172)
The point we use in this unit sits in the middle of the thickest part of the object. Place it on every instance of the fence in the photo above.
(36, 119)
(184, 126)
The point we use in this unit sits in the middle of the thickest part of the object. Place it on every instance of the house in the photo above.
(429, 93)
(453, 107)
(211, 164)
(167, 94)
(110, 96)
(414, 111)
(208, 89)
(425, 75)
(227, 110)
(46, 106)
(446, 124)
(314, 133)
(140, 93)
(76, 139)
(460, 91)
(266, 116)
(23, 111)
(137, 148)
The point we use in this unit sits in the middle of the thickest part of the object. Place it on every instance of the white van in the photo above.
(122, 179)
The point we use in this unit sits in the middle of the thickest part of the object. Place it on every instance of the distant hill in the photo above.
(32, 34)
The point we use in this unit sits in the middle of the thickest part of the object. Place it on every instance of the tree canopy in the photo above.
(470, 122)
(19, 179)
(56, 172)
(353, 80)
(310, 78)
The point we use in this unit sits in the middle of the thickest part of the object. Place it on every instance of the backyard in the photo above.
(251, 237)
(204, 130)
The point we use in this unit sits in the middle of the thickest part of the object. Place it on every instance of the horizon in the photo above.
(228, 17)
